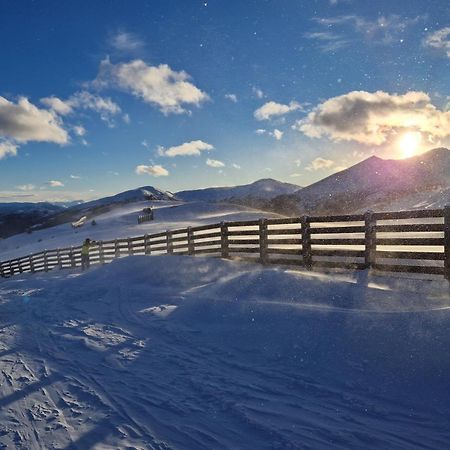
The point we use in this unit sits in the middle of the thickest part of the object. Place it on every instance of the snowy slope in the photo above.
(375, 181)
(193, 353)
(262, 189)
(121, 222)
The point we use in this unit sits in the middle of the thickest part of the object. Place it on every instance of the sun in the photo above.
(409, 143)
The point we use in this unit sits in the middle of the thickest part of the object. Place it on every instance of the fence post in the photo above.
(116, 249)
(169, 242)
(1, 270)
(306, 242)
(72, 258)
(58, 259)
(45, 261)
(224, 240)
(30, 259)
(190, 240)
(19, 261)
(263, 240)
(370, 243)
(101, 255)
(447, 242)
(147, 247)
(130, 248)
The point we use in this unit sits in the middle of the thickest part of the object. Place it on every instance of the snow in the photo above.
(121, 222)
(171, 352)
(176, 352)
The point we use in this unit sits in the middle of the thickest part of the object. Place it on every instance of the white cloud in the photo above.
(159, 85)
(75, 177)
(57, 105)
(236, 166)
(79, 130)
(126, 42)
(126, 118)
(340, 31)
(273, 109)
(371, 118)
(7, 148)
(23, 122)
(277, 134)
(186, 149)
(298, 162)
(328, 41)
(26, 187)
(214, 163)
(231, 97)
(258, 93)
(319, 164)
(295, 175)
(439, 40)
(144, 143)
(104, 106)
(84, 100)
(55, 183)
(156, 171)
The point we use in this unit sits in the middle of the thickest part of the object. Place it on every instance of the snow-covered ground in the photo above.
(121, 222)
(176, 352)
(172, 352)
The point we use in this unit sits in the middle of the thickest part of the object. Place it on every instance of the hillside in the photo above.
(121, 221)
(375, 183)
(16, 217)
(263, 189)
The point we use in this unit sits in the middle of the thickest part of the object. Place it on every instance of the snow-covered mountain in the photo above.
(132, 195)
(375, 183)
(263, 189)
(93, 208)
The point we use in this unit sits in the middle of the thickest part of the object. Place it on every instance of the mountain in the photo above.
(264, 189)
(133, 195)
(375, 183)
(17, 217)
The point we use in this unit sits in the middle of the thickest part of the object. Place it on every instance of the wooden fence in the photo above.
(408, 241)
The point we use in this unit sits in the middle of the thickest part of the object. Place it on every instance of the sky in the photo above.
(100, 97)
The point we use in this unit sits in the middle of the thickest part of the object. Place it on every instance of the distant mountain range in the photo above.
(17, 217)
(375, 183)
(422, 181)
(264, 189)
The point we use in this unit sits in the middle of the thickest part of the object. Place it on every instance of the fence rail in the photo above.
(406, 241)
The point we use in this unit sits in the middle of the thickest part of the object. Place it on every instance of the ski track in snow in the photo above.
(130, 355)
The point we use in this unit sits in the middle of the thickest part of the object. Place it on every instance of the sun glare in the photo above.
(409, 143)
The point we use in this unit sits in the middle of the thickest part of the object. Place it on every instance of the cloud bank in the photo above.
(371, 117)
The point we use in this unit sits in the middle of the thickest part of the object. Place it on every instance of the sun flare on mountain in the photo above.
(409, 143)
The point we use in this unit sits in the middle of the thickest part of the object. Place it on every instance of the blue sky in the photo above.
(99, 97)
